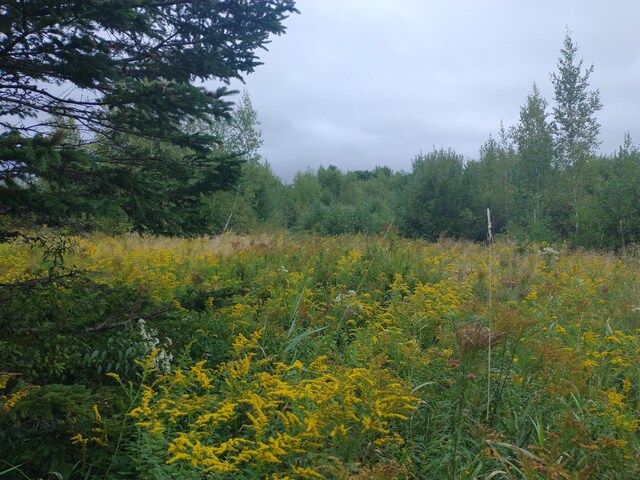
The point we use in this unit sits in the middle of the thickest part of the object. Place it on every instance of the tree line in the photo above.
(542, 178)
(187, 166)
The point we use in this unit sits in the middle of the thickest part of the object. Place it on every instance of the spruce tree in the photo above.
(130, 66)
(131, 74)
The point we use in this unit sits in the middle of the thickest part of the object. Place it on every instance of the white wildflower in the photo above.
(151, 342)
(342, 296)
(550, 252)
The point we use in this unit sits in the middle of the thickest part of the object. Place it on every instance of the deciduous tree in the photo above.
(533, 136)
(575, 108)
(434, 201)
(577, 129)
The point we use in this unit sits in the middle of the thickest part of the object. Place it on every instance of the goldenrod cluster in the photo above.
(258, 414)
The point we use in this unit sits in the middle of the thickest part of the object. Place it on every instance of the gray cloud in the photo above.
(358, 83)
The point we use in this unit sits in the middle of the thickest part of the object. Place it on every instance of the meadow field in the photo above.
(304, 357)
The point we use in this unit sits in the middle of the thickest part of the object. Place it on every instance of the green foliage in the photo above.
(135, 72)
(50, 335)
(162, 189)
(49, 177)
(331, 202)
(49, 330)
(434, 201)
(613, 210)
(145, 68)
(575, 109)
(239, 133)
(576, 135)
(533, 136)
(490, 184)
(540, 179)
(37, 433)
(228, 210)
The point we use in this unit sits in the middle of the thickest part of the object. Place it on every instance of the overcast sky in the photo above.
(360, 83)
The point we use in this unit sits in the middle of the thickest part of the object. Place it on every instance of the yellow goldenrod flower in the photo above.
(97, 413)
(13, 398)
(79, 439)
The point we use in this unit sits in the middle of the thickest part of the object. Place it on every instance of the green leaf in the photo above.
(294, 343)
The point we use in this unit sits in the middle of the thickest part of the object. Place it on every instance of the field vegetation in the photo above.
(304, 357)
(140, 338)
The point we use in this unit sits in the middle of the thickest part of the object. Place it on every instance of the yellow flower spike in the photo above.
(225, 412)
(615, 399)
(626, 386)
(13, 398)
(79, 439)
(619, 361)
(280, 368)
(589, 337)
(157, 427)
(290, 420)
(340, 431)
(96, 412)
(238, 369)
(5, 377)
(200, 375)
(312, 425)
(306, 472)
(145, 399)
(149, 361)
(366, 423)
(178, 306)
(296, 365)
(178, 456)
(241, 343)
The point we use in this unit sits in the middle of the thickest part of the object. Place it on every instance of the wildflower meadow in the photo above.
(289, 356)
